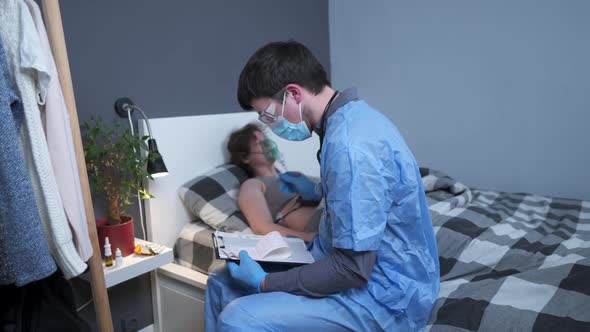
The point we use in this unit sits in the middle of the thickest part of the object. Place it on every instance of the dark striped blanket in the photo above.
(509, 261)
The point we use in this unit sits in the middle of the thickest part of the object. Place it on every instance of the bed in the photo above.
(509, 261)
(190, 146)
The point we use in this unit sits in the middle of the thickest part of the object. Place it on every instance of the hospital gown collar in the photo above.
(342, 99)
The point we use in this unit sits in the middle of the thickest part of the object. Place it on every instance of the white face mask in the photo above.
(288, 130)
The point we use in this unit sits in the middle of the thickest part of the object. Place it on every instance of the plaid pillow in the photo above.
(212, 197)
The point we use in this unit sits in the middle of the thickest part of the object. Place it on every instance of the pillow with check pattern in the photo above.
(212, 197)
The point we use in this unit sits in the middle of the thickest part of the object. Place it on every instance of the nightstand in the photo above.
(134, 265)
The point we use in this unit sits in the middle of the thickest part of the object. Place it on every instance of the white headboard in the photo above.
(192, 145)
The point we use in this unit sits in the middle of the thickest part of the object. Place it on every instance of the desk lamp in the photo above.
(155, 164)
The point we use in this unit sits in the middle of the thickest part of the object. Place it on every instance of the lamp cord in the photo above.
(131, 108)
(139, 200)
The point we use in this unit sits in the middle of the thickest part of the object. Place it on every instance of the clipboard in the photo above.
(234, 242)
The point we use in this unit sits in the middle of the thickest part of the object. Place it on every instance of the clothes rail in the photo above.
(53, 24)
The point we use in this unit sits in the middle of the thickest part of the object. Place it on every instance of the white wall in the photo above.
(495, 93)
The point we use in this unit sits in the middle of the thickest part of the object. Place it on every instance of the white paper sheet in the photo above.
(272, 246)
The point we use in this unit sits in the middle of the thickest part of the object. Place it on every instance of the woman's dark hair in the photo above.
(275, 65)
(238, 146)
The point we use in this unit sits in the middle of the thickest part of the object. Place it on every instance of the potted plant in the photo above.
(116, 170)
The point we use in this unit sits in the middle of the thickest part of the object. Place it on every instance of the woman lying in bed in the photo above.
(261, 200)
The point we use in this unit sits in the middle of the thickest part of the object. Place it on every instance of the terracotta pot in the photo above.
(120, 236)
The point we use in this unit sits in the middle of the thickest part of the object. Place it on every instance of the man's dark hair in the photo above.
(275, 65)
(238, 146)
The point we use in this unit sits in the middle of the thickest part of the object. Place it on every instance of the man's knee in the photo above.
(228, 318)
(233, 317)
(243, 314)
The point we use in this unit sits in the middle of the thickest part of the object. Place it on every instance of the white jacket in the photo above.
(61, 145)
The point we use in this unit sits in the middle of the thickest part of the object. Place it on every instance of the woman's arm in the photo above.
(253, 205)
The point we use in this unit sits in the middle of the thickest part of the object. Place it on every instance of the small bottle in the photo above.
(118, 257)
(108, 255)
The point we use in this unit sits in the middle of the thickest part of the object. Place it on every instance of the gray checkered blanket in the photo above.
(509, 261)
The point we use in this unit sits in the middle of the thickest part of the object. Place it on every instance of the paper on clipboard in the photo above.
(272, 247)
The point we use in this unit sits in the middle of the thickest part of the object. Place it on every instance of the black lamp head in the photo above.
(155, 165)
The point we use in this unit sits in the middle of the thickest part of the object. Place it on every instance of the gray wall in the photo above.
(494, 93)
(173, 58)
(179, 57)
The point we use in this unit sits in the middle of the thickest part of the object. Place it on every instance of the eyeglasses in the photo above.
(269, 115)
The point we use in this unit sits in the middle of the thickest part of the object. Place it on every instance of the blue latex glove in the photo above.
(249, 272)
(295, 182)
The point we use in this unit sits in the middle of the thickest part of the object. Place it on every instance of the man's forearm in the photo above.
(343, 269)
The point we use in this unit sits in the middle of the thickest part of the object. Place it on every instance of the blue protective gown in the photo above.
(374, 201)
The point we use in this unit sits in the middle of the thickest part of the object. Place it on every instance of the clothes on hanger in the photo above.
(24, 254)
(29, 70)
(61, 144)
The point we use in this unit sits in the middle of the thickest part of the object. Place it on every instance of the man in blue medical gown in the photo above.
(376, 259)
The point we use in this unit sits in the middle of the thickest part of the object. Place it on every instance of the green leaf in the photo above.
(114, 160)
